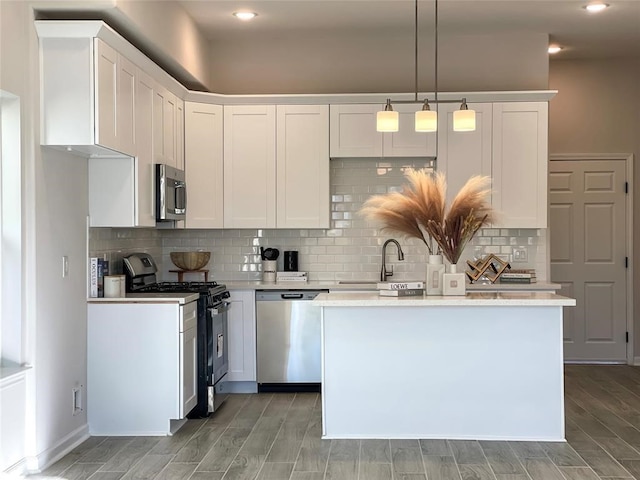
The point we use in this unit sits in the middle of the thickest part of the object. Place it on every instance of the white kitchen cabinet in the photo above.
(250, 166)
(141, 366)
(242, 336)
(88, 96)
(302, 159)
(179, 135)
(204, 165)
(520, 157)
(144, 196)
(276, 166)
(165, 127)
(463, 154)
(353, 133)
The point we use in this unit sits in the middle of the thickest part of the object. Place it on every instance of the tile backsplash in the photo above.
(349, 250)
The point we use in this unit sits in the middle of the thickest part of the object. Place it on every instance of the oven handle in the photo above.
(224, 307)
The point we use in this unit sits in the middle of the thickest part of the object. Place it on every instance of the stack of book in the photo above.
(518, 276)
(98, 269)
(401, 289)
(294, 277)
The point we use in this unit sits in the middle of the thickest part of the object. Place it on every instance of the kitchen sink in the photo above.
(357, 282)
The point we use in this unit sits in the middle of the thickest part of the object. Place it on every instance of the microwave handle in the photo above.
(180, 197)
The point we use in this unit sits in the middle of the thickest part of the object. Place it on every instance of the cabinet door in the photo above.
(463, 154)
(250, 166)
(106, 81)
(170, 120)
(242, 336)
(189, 371)
(520, 157)
(145, 174)
(126, 106)
(352, 131)
(204, 165)
(406, 142)
(179, 134)
(164, 126)
(303, 166)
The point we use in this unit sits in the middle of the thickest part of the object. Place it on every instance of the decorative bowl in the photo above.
(190, 260)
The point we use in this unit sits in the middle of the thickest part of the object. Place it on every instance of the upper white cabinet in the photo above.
(250, 166)
(520, 157)
(353, 133)
(168, 128)
(204, 165)
(88, 96)
(302, 160)
(276, 160)
(463, 154)
(144, 197)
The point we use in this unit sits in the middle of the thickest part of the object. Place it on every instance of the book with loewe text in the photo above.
(409, 292)
(400, 285)
(518, 280)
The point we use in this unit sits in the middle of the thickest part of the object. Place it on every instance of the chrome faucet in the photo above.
(384, 273)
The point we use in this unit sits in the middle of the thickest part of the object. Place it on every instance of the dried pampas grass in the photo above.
(419, 211)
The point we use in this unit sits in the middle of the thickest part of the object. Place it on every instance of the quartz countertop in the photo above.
(181, 298)
(371, 285)
(476, 299)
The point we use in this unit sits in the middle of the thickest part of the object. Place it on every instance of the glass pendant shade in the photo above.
(387, 120)
(426, 121)
(464, 120)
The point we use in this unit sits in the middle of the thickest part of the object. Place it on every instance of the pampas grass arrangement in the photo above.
(419, 211)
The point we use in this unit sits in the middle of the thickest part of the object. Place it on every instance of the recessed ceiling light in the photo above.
(554, 49)
(596, 7)
(245, 15)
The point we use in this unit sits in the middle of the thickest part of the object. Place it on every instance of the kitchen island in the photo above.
(482, 366)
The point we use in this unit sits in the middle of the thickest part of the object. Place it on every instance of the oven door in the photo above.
(218, 361)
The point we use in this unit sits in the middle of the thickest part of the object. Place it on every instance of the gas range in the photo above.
(213, 291)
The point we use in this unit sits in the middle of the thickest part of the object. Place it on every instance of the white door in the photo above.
(587, 232)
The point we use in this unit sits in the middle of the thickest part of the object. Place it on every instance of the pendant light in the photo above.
(464, 120)
(426, 120)
(387, 120)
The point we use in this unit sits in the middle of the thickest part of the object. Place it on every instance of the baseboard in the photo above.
(17, 470)
(43, 460)
(240, 387)
(636, 361)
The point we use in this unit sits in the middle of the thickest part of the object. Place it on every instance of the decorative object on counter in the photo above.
(400, 285)
(419, 211)
(435, 271)
(190, 261)
(407, 292)
(291, 276)
(485, 266)
(182, 272)
(291, 261)
(519, 276)
(269, 258)
(114, 286)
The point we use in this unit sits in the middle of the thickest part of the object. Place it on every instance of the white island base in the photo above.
(463, 368)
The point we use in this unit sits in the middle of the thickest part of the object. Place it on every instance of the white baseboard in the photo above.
(636, 361)
(43, 460)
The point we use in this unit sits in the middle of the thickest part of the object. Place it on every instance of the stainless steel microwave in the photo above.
(171, 193)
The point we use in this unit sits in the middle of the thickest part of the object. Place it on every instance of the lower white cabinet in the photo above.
(141, 366)
(242, 336)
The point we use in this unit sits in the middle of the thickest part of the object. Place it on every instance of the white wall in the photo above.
(55, 207)
(315, 63)
(597, 110)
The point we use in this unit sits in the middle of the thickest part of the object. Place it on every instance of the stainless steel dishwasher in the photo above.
(288, 338)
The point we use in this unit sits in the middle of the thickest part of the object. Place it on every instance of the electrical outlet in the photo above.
(76, 399)
(65, 266)
(520, 254)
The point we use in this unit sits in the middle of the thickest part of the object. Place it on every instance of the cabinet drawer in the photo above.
(189, 317)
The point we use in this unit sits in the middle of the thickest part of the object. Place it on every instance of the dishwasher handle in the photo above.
(291, 296)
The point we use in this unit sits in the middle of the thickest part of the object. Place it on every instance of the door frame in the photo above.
(628, 158)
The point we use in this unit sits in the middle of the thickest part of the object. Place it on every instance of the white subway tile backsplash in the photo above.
(349, 250)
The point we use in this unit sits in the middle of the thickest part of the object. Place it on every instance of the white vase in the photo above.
(435, 270)
(453, 283)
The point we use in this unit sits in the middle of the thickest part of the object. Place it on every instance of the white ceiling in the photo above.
(614, 32)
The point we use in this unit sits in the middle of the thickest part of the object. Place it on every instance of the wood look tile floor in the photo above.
(277, 437)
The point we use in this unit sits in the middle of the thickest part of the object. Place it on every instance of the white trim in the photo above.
(628, 158)
(44, 459)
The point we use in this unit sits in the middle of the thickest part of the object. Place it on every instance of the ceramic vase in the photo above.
(435, 271)
(453, 283)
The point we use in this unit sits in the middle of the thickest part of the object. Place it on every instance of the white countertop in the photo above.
(510, 299)
(181, 298)
(368, 286)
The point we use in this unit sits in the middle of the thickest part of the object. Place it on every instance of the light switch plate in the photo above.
(520, 254)
(65, 266)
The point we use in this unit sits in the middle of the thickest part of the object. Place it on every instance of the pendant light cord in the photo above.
(436, 51)
(415, 39)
